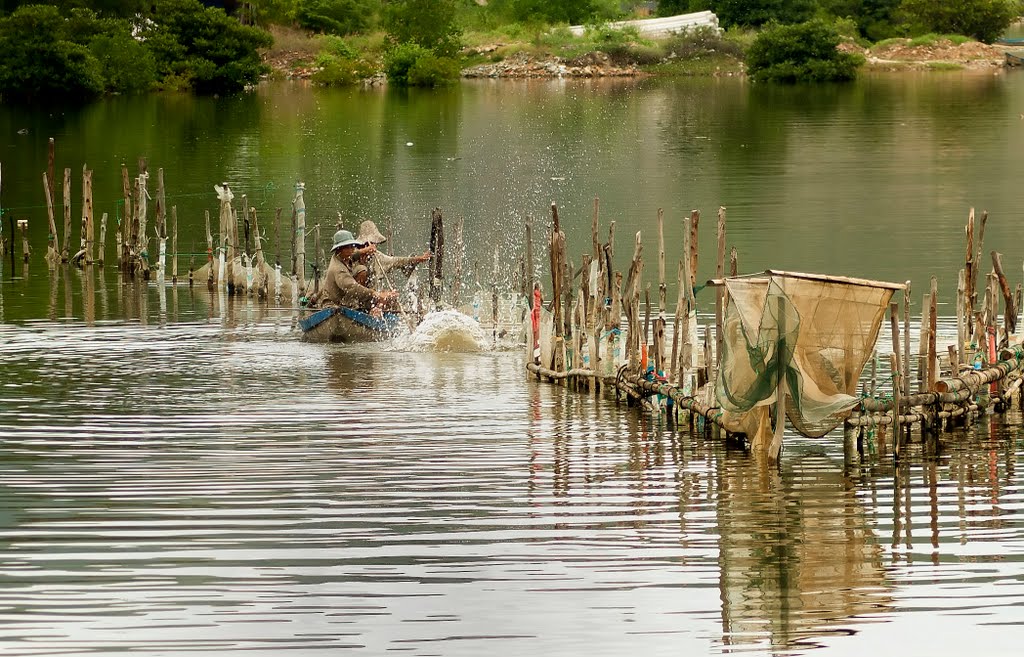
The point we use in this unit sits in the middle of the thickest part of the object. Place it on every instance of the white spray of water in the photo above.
(444, 330)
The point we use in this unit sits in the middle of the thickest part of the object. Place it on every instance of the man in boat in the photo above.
(379, 264)
(340, 285)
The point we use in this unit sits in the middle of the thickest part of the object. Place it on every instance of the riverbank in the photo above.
(893, 55)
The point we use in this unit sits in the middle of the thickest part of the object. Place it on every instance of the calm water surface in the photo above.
(181, 475)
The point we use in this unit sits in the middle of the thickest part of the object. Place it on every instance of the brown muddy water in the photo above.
(180, 475)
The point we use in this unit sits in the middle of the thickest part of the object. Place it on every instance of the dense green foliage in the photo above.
(985, 20)
(204, 48)
(804, 52)
(428, 23)
(412, 65)
(336, 16)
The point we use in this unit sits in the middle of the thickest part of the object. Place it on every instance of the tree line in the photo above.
(77, 49)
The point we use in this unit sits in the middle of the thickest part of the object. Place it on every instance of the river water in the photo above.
(179, 474)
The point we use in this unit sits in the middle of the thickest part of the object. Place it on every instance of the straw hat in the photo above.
(344, 238)
(369, 234)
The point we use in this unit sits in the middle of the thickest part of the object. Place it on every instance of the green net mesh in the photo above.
(814, 333)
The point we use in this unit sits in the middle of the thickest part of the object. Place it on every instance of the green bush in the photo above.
(336, 16)
(126, 65)
(412, 65)
(800, 53)
(985, 20)
(39, 61)
(433, 71)
(428, 23)
(205, 47)
(340, 71)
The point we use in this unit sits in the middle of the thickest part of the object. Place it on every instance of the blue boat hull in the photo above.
(346, 325)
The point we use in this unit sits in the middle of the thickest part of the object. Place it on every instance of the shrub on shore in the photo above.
(805, 52)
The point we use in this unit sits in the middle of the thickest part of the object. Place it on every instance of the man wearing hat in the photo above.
(340, 285)
(377, 263)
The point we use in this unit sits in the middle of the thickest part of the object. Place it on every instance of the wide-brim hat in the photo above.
(368, 233)
(344, 238)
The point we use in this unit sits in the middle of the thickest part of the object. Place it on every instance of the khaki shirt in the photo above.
(341, 288)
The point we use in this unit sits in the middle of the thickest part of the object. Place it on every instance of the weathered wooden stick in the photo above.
(894, 326)
(53, 245)
(126, 221)
(529, 260)
(103, 240)
(894, 363)
(1009, 311)
(90, 230)
(922, 346)
(64, 254)
(161, 205)
(662, 289)
(594, 227)
(977, 259)
(25, 249)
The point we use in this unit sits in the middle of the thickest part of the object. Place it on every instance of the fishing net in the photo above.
(813, 331)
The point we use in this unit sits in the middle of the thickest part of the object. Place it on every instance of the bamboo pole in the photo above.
(645, 339)
(969, 272)
(174, 245)
(961, 323)
(554, 254)
(973, 288)
(694, 223)
(64, 254)
(720, 289)
(894, 326)
(299, 235)
(933, 359)
(662, 289)
(594, 227)
(529, 260)
(780, 388)
(51, 174)
(676, 371)
(90, 231)
(894, 362)
(906, 341)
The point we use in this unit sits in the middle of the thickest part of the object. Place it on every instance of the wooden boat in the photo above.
(340, 324)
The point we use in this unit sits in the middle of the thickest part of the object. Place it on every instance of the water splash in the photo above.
(444, 330)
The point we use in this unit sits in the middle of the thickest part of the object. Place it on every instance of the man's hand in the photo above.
(386, 296)
(427, 255)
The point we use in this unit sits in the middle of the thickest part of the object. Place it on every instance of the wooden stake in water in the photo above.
(906, 340)
(67, 216)
(694, 224)
(529, 261)
(594, 227)
(23, 227)
(969, 271)
(933, 360)
(554, 256)
(125, 231)
(662, 288)
(894, 363)
(53, 245)
(174, 245)
(437, 261)
(299, 235)
(90, 231)
(103, 240)
(1009, 312)
(720, 289)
